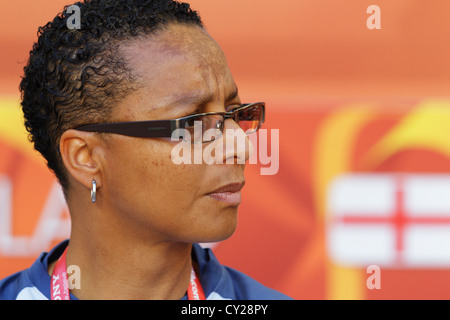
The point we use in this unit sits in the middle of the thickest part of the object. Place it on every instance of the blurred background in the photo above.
(364, 145)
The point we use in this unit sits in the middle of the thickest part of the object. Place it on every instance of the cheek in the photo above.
(146, 169)
(143, 179)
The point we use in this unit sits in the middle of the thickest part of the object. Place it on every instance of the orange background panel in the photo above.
(312, 62)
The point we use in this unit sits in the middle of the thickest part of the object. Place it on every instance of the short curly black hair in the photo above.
(74, 76)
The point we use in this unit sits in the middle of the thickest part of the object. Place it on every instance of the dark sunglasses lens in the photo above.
(250, 119)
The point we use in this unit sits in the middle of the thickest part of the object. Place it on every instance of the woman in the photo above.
(102, 104)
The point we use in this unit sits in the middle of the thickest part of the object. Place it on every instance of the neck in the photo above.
(160, 272)
(115, 263)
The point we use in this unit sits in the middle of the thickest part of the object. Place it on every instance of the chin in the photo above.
(219, 228)
(218, 236)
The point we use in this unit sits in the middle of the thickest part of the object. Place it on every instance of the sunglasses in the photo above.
(201, 127)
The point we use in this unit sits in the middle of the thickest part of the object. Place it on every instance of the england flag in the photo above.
(389, 220)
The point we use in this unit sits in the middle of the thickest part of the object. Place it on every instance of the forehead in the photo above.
(180, 61)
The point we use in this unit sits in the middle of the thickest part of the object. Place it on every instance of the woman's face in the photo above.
(182, 71)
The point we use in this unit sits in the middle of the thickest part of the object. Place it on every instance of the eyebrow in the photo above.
(196, 98)
(232, 95)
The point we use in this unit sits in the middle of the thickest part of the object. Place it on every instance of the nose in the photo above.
(237, 147)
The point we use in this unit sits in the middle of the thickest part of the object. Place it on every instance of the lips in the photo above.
(230, 193)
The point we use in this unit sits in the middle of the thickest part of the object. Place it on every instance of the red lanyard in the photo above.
(59, 283)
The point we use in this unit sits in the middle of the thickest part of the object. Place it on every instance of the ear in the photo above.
(80, 152)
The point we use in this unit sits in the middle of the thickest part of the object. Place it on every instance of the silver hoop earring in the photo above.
(94, 191)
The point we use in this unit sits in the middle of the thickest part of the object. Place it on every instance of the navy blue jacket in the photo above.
(218, 282)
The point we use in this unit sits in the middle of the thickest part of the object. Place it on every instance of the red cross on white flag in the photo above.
(390, 220)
